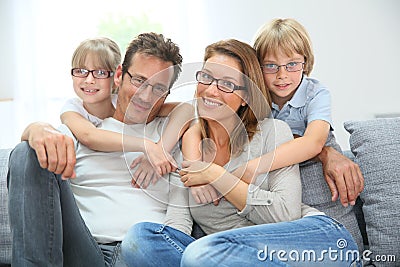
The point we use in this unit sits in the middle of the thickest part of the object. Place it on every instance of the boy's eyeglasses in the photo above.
(223, 85)
(99, 74)
(139, 82)
(290, 67)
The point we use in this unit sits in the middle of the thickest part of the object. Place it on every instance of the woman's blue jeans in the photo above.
(47, 228)
(310, 241)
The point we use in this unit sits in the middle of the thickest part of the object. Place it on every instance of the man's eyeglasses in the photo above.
(99, 74)
(157, 89)
(290, 67)
(223, 85)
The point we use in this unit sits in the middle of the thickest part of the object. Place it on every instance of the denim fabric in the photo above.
(47, 227)
(312, 240)
(153, 244)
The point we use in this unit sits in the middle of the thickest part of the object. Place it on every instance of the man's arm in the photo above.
(55, 151)
(343, 176)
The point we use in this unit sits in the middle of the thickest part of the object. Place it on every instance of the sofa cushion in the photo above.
(5, 234)
(376, 147)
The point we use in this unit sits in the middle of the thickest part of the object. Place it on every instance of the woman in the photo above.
(255, 217)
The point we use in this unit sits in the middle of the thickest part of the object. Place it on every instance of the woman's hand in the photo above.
(199, 173)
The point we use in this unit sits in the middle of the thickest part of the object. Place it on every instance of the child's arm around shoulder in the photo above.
(99, 139)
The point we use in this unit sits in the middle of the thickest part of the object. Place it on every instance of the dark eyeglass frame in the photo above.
(93, 72)
(134, 81)
(287, 67)
(220, 87)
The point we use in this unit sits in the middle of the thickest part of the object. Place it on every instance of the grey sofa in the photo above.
(375, 146)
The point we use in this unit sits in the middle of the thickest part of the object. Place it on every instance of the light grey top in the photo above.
(274, 197)
(109, 204)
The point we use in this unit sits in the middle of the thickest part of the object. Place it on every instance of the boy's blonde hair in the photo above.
(107, 53)
(288, 36)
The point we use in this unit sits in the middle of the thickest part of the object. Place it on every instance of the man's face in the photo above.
(140, 104)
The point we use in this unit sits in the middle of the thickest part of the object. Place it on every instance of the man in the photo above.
(81, 221)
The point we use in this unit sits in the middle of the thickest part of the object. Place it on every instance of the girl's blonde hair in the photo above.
(258, 98)
(108, 55)
(288, 36)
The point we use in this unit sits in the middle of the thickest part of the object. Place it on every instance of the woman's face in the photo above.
(214, 103)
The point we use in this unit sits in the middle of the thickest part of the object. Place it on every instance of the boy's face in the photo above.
(93, 90)
(283, 84)
(140, 104)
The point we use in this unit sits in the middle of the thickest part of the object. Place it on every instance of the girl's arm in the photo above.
(295, 151)
(101, 140)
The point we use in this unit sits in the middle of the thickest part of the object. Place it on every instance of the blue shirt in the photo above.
(311, 101)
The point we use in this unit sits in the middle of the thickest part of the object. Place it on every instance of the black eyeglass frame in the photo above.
(235, 88)
(145, 83)
(109, 73)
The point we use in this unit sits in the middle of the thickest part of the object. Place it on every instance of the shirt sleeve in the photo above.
(275, 196)
(319, 107)
(178, 212)
(76, 105)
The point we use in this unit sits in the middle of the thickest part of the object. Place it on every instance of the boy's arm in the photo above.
(98, 139)
(289, 153)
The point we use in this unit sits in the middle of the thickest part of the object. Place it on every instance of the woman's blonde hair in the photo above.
(288, 36)
(258, 98)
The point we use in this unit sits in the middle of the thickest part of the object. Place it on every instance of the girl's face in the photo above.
(93, 90)
(283, 84)
(214, 103)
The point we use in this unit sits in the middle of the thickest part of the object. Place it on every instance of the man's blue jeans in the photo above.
(310, 241)
(47, 228)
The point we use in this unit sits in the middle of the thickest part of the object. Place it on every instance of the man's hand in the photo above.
(55, 151)
(204, 194)
(343, 176)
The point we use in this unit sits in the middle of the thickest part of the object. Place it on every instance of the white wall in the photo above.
(355, 43)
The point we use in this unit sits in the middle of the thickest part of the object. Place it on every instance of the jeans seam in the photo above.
(168, 239)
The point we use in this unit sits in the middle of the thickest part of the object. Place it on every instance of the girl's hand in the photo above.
(205, 194)
(144, 174)
(161, 161)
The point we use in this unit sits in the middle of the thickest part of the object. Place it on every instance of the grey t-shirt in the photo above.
(274, 197)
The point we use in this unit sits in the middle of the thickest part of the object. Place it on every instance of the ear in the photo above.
(245, 99)
(118, 76)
